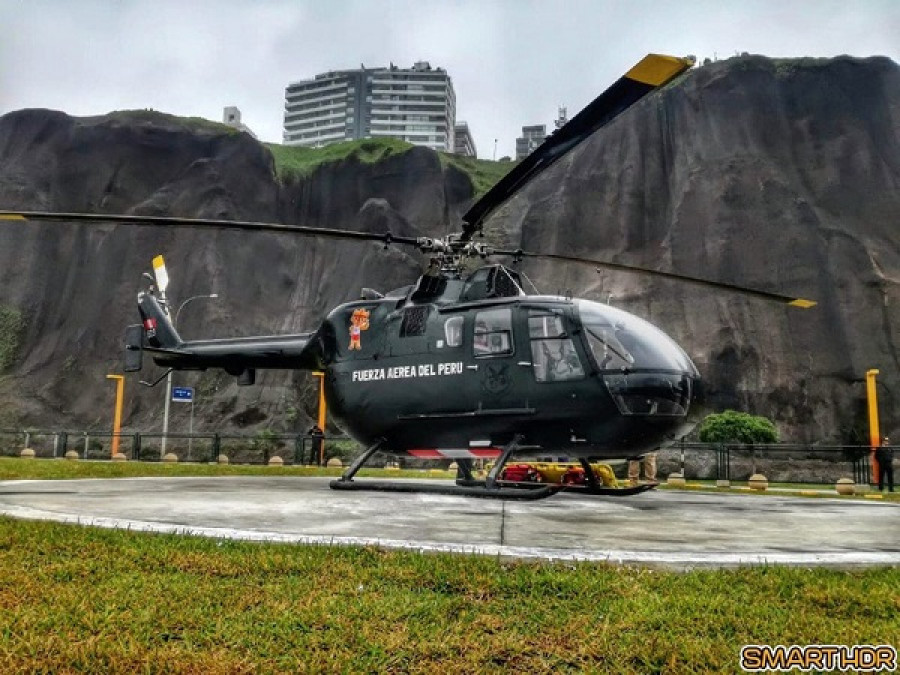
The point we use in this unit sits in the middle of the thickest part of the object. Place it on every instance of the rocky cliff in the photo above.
(778, 174)
(67, 291)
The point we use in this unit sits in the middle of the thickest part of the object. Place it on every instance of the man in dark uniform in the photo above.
(317, 436)
(884, 455)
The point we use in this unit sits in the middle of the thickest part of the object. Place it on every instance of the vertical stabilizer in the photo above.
(158, 328)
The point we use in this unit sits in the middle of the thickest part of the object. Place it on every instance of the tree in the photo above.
(737, 427)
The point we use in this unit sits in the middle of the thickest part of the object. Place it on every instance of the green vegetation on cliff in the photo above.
(293, 161)
(155, 117)
(11, 325)
(484, 173)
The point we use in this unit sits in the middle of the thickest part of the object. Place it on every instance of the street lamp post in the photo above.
(162, 446)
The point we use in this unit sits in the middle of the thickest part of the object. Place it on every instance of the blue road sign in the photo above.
(183, 394)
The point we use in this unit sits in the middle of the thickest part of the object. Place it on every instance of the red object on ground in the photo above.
(520, 473)
(573, 476)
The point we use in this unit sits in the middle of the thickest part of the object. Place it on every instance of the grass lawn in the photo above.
(14, 468)
(808, 490)
(84, 599)
(78, 599)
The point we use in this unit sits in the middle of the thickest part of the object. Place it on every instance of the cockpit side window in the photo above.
(553, 355)
(492, 335)
(608, 351)
(453, 331)
(621, 341)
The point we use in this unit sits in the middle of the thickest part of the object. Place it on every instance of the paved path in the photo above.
(667, 528)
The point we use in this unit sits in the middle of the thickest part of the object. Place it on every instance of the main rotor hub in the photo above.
(451, 252)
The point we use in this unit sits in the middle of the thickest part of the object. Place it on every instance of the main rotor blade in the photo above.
(301, 230)
(791, 300)
(653, 71)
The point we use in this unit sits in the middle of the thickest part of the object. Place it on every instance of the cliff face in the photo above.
(779, 175)
(74, 287)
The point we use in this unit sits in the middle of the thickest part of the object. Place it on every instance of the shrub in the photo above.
(346, 450)
(265, 443)
(737, 427)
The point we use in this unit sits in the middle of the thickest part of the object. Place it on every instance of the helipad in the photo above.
(669, 528)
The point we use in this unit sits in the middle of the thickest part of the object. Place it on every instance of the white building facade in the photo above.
(231, 115)
(530, 139)
(417, 105)
(464, 144)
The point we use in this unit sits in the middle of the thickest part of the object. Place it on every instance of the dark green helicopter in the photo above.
(470, 366)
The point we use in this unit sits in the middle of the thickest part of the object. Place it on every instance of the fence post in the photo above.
(56, 445)
(861, 469)
(136, 447)
(723, 462)
(216, 447)
(298, 449)
(63, 443)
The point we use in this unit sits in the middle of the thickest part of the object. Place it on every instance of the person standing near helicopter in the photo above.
(884, 455)
(648, 461)
(317, 438)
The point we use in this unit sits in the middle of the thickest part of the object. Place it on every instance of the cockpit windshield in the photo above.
(620, 340)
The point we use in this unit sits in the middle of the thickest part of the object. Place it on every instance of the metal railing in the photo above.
(780, 463)
(292, 448)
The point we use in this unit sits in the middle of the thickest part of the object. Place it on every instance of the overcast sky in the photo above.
(512, 61)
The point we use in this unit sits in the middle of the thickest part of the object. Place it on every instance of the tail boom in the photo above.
(234, 355)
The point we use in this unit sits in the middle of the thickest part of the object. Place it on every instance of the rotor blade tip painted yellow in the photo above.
(802, 303)
(657, 69)
(158, 262)
(11, 216)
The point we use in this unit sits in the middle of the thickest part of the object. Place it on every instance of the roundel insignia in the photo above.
(496, 378)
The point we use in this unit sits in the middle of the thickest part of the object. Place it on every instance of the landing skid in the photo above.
(490, 488)
(609, 491)
(499, 492)
(598, 490)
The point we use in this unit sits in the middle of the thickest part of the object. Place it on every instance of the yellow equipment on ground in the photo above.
(559, 472)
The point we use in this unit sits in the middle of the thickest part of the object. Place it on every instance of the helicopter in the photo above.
(467, 365)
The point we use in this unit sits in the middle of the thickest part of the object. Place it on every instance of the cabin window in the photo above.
(553, 354)
(453, 331)
(493, 333)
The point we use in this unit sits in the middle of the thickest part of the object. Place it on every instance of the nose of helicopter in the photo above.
(647, 373)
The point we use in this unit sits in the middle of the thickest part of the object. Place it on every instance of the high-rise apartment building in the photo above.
(463, 143)
(531, 138)
(417, 105)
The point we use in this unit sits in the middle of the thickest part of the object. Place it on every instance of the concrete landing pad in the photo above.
(667, 528)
